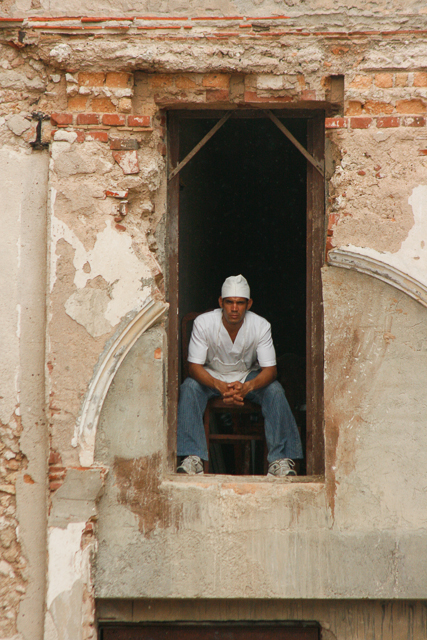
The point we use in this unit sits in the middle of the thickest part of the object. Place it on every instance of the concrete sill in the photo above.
(245, 483)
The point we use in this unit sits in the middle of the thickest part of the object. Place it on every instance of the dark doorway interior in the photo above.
(242, 209)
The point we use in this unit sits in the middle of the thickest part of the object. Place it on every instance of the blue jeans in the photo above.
(281, 431)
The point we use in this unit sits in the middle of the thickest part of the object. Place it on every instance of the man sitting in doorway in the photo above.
(231, 354)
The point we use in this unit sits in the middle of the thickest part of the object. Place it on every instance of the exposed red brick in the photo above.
(354, 108)
(414, 121)
(127, 160)
(329, 245)
(388, 121)
(217, 95)
(90, 79)
(57, 475)
(121, 144)
(87, 118)
(184, 82)
(252, 96)
(384, 80)
(81, 135)
(361, 82)
(77, 103)
(333, 219)
(216, 80)
(117, 194)
(339, 51)
(102, 105)
(420, 79)
(377, 108)
(161, 148)
(308, 94)
(120, 227)
(361, 173)
(61, 119)
(335, 123)
(117, 80)
(53, 486)
(139, 121)
(401, 79)
(54, 458)
(360, 123)
(411, 106)
(100, 136)
(422, 152)
(160, 80)
(113, 119)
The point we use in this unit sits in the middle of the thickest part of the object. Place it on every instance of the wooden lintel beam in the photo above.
(198, 146)
(316, 164)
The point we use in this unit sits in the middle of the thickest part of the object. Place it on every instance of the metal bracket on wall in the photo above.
(319, 165)
(198, 146)
(37, 143)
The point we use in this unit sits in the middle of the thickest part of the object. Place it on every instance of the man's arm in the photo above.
(199, 373)
(266, 376)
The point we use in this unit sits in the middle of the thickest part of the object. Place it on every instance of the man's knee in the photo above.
(190, 386)
(274, 391)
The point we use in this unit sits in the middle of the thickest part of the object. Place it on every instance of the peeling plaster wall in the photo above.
(356, 14)
(359, 534)
(362, 533)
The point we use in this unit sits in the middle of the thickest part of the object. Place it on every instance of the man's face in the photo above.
(234, 309)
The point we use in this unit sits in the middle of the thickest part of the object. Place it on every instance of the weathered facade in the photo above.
(94, 524)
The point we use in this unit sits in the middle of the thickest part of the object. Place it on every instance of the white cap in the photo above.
(235, 287)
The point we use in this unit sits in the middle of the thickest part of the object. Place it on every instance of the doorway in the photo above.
(242, 205)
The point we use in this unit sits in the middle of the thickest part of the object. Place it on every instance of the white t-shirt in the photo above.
(211, 346)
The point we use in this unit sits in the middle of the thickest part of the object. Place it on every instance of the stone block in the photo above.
(18, 124)
(269, 81)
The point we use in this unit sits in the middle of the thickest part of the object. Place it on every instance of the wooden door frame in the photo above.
(315, 446)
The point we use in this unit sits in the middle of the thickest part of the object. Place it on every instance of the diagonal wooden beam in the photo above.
(198, 146)
(316, 164)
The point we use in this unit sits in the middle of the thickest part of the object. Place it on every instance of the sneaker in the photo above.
(191, 465)
(282, 467)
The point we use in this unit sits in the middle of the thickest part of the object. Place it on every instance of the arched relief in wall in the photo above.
(380, 270)
(85, 432)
